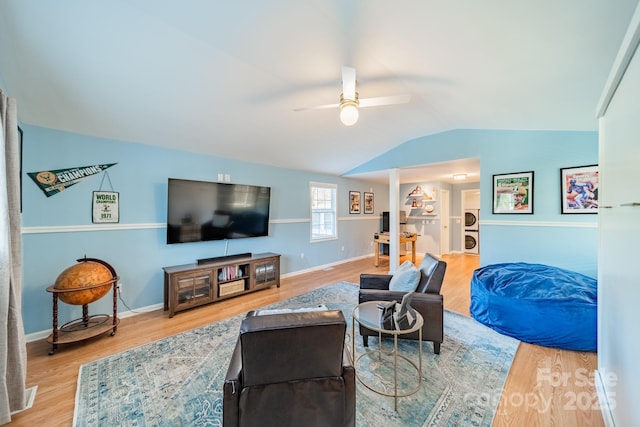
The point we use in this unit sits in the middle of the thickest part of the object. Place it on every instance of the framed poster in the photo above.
(106, 207)
(354, 202)
(513, 193)
(579, 189)
(368, 203)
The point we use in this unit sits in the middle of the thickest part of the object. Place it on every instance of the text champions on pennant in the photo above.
(54, 181)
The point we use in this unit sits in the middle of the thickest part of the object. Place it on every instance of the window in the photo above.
(323, 212)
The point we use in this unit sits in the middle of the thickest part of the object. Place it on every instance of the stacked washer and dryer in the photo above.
(472, 231)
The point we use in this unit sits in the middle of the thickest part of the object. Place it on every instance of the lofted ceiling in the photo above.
(224, 78)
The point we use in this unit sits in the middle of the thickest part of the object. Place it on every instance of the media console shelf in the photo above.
(191, 285)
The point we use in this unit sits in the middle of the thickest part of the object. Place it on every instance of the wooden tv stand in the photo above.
(191, 285)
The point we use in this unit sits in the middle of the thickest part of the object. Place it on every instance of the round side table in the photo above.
(368, 314)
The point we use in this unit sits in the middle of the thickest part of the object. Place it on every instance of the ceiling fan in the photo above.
(350, 101)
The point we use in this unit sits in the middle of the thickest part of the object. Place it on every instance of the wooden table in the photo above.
(384, 238)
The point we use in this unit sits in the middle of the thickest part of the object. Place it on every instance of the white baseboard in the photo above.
(603, 399)
(31, 397)
(324, 266)
(36, 336)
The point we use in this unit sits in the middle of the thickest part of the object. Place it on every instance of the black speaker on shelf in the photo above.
(384, 222)
(384, 227)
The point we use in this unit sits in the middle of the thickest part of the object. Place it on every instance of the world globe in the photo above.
(84, 283)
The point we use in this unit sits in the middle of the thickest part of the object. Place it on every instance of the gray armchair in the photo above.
(290, 369)
(427, 299)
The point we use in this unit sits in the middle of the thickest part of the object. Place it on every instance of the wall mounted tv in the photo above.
(201, 211)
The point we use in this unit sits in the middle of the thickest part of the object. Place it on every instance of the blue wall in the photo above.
(547, 236)
(57, 230)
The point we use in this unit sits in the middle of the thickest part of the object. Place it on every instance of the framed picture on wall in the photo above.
(368, 203)
(513, 193)
(106, 207)
(579, 189)
(354, 202)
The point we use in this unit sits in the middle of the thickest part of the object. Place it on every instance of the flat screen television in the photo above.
(201, 211)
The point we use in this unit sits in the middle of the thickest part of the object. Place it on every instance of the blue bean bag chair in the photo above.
(538, 304)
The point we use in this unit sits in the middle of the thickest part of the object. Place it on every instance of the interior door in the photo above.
(619, 219)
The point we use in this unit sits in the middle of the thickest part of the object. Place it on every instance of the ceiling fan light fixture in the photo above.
(349, 110)
(460, 177)
(349, 115)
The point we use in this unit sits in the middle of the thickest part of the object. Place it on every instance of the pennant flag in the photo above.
(53, 182)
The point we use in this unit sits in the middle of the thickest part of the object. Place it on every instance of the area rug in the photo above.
(177, 381)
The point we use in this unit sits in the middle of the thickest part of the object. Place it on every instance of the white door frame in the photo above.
(445, 229)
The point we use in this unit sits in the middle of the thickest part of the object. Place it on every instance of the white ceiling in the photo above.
(432, 172)
(224, 78)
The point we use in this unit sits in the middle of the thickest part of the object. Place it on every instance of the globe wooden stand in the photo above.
(87, 326)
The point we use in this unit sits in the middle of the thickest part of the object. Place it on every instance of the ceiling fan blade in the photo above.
(349, 93)
(384, 100)
(349, 83)
(317, 107)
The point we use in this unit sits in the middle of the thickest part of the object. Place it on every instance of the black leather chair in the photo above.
(291, 369)
(427, 299)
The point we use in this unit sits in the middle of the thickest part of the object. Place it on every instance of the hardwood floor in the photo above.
(545, 387)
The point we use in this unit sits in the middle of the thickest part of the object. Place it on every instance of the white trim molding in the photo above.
(288, 220)
(606, 404)
(120, 227)
(560, 224)
(80, 228)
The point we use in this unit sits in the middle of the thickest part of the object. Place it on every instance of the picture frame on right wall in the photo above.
(579, 189)
(513, 193)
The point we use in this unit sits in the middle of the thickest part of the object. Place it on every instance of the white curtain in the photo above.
(13, 351)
